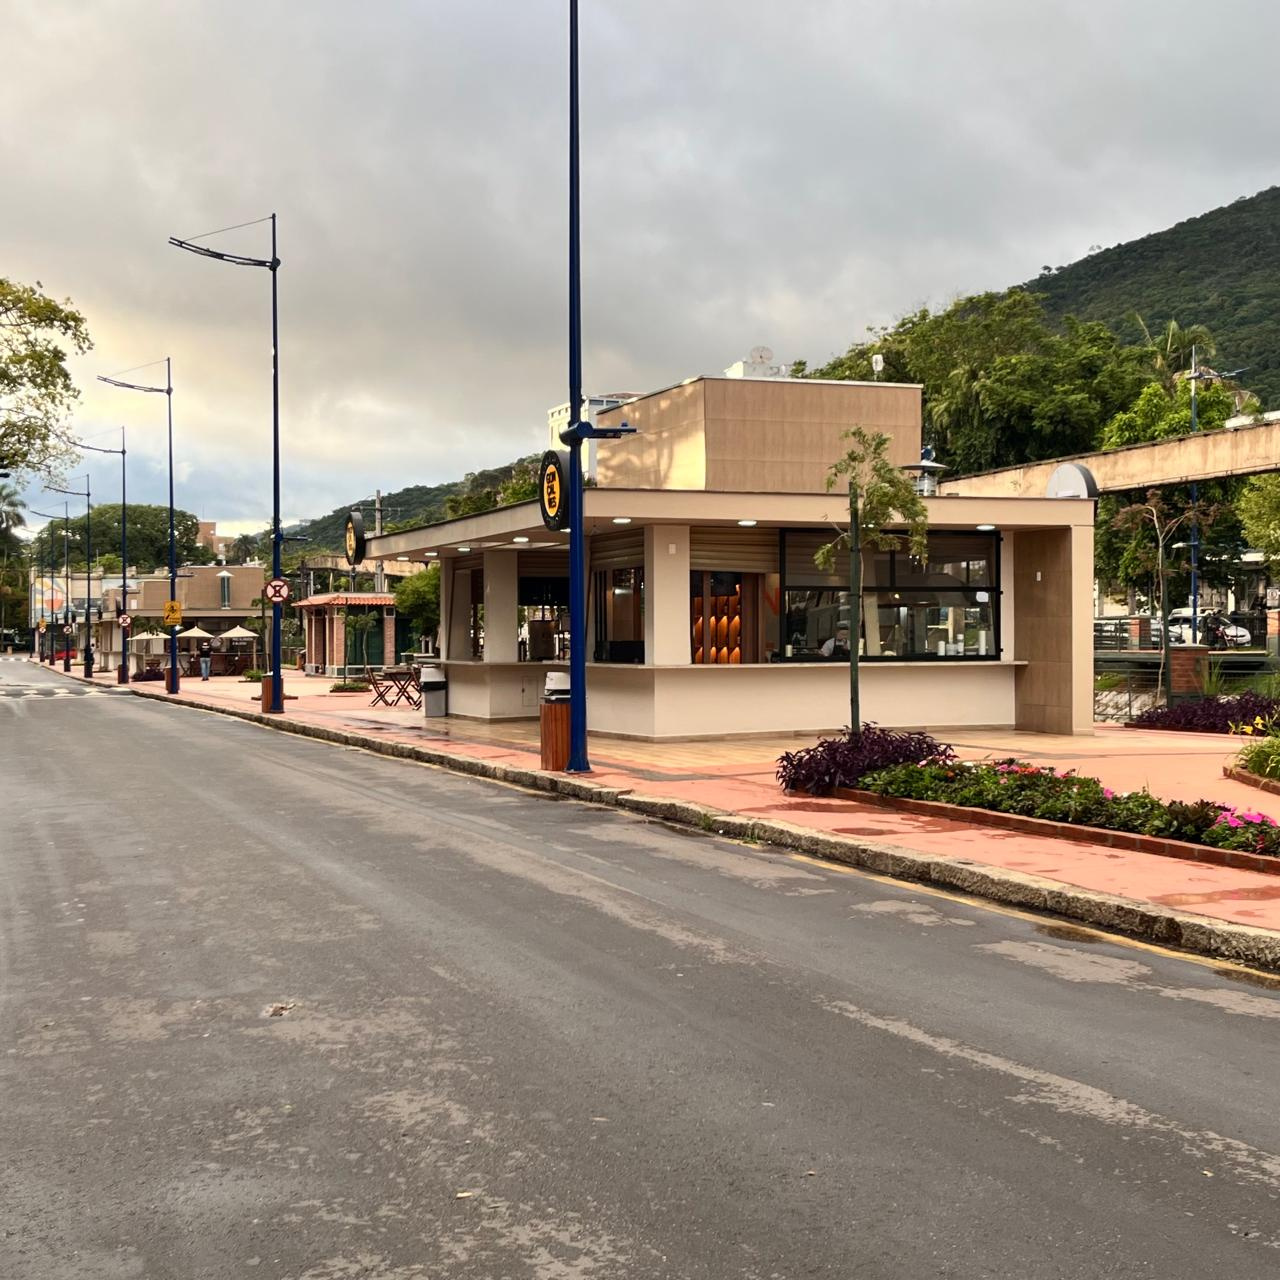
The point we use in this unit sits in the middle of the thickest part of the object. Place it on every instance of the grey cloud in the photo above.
(752, 172)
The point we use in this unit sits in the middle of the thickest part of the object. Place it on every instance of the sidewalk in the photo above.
(736, 779)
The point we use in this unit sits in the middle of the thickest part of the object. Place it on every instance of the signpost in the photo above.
(172, 615)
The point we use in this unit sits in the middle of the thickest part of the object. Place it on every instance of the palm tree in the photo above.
(1171, 348)
(11, 517)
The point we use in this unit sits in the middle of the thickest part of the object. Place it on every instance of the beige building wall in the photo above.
(501, 615)
(749, 435)
(666, 577)
(1052, 569)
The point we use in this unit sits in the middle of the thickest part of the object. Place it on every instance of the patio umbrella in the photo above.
(243, 633)
(195, 633)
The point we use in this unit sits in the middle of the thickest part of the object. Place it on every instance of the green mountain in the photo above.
(1221, 269)
(414, 505)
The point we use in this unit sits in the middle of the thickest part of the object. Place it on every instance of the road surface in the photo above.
(271, 1008)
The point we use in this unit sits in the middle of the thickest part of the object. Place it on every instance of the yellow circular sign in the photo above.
(552, 497)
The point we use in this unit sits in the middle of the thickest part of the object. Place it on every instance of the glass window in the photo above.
(929, 624)
(619, 615)
(817, 625)
(724, 617)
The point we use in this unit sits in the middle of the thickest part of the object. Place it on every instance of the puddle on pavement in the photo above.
(1250, 977)
(1068, 933)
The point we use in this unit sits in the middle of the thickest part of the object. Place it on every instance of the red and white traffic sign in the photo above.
(276, 591)
(125, 621)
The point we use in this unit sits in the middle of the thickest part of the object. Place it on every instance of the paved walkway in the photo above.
(738, 776)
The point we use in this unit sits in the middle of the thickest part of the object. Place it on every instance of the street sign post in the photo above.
(172, 616)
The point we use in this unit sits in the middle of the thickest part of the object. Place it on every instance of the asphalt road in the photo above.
(518, 1037)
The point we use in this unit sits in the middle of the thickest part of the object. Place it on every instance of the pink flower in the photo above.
(1107, 793)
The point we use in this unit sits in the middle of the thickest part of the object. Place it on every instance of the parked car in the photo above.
(1236, 636)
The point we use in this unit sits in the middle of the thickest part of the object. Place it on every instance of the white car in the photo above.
(1236, 636)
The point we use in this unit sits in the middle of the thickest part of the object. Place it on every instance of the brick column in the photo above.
(339, 654)
(1188, 667)
(1140, 633)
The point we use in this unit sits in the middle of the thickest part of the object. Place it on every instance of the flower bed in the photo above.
(1015, 787)
(1211, 715)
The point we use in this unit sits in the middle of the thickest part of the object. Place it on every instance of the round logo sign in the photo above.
(553, 493)
(355, 537)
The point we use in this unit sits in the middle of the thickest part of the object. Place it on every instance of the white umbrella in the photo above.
(195, 633)
(239, 633)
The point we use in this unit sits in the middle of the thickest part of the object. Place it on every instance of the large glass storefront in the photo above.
(945, 606)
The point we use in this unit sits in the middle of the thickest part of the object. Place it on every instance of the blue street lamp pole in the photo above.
(88, 576)
(271, 264)
(172, 682)
(66, 570)
(573, 435)
(122, 675)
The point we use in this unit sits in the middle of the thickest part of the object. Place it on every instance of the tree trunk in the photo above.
(855, 610)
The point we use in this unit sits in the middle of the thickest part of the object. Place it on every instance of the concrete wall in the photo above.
(686, 702)
(747, 435)
(1240, 452)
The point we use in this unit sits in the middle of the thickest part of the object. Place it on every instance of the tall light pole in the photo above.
(574, 433)
(172, 680)
(66, 582)
(271, 264)
(88, 575)
(122, 674)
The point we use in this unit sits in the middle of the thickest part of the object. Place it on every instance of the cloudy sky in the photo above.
(753, 173)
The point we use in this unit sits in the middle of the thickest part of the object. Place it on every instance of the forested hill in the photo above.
(1221, 270)
(417, 504)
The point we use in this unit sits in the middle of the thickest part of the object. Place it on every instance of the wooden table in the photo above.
(399, 684)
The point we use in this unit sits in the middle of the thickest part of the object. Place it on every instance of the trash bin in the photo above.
(435, 699)
(553, 722)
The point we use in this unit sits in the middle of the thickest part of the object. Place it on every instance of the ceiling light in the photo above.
(519, 538)
(985, 528)
(621, 519)
(464, 549)
(402, 557)
(747, 524)
(430, 553)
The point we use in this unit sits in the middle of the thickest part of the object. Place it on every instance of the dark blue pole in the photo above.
(173, 544)
(124, 559)
(578, 762)
(1195, 523)
(88, 581)
(66, 576)
(277, 534)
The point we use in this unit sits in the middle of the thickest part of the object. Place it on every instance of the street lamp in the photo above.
(573, 434)
(171, 683)
(66, 575)
(271, 264)
(88, 576)
(122, 674)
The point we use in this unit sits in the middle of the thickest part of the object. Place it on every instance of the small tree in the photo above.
(879, 494)
(361, 624)
(1163, 522)
(418, 599)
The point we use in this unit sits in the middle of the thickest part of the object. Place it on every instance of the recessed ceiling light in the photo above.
(621, 519)
(747, 524)
(519, 538)
(397, 557)
(986, 528)
(464, 548)
(431, 553)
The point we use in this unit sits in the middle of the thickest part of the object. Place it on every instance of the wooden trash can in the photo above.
(553, 725)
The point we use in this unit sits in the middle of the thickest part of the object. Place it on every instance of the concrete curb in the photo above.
(1240, 944)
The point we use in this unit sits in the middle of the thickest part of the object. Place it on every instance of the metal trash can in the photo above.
(553, 722)
(435, 694)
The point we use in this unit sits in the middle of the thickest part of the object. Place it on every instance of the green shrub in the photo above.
(254, 675)
(1261, 757)
(1013, 786)
(349, 686)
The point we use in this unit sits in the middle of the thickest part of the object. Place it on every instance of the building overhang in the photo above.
(520, 527)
